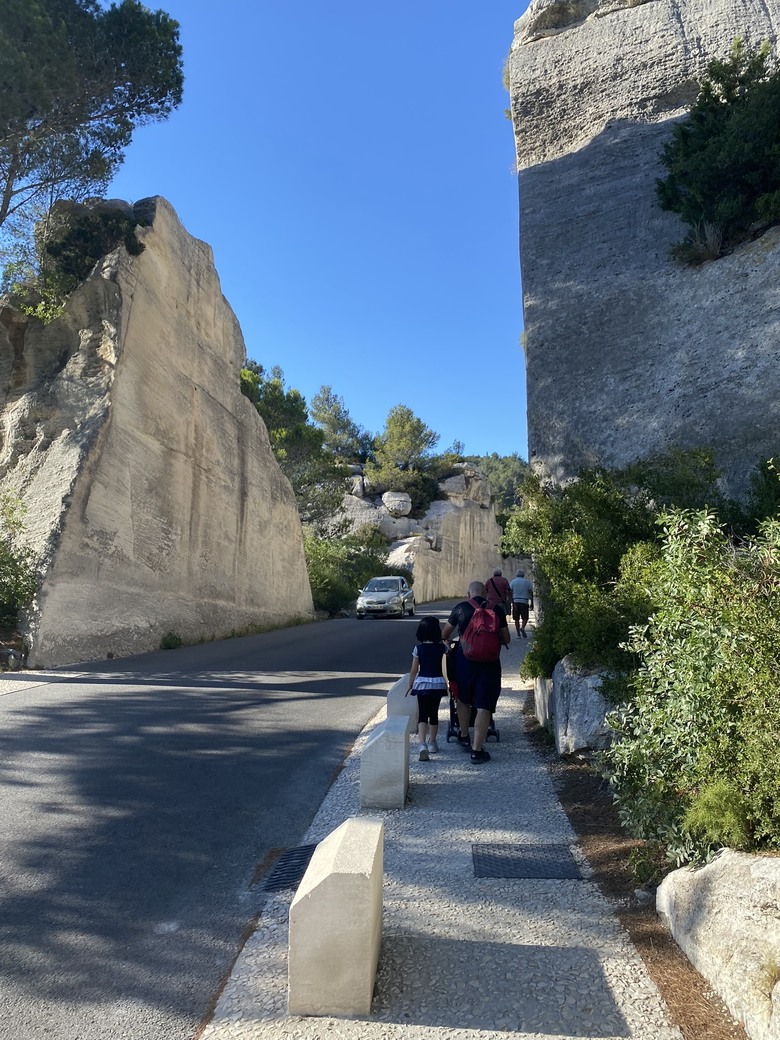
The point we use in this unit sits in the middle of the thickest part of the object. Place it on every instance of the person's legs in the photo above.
(516, 616)
(464, 718)
(524, 618)
(486, 693)
(481, 726)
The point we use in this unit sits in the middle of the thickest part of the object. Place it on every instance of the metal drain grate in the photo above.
(553, 862)
(289, 869)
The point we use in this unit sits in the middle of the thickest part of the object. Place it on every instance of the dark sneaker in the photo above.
(424, 756)
(523, 633)
(480, 756)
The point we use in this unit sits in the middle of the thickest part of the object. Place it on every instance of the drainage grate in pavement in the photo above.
(289, 869)
(553, 862)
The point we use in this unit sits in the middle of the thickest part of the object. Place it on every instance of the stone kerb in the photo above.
(384, 765)
(336, 923)
(399, 704)
(726, 918)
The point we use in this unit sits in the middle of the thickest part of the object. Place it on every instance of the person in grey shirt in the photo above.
(522, 601)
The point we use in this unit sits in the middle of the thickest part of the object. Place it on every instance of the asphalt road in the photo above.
(141, 801)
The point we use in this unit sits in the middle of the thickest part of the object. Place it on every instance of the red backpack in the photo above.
(481, 640)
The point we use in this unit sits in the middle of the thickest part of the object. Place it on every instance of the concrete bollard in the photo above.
(336, 923)
(399, 704)
(384, 766)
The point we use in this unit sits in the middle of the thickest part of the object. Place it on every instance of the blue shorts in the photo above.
(479, 682)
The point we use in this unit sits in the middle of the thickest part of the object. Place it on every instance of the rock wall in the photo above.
(154, 501)
(628, 353)
(455, 543)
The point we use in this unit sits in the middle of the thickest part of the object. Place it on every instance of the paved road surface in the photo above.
(139, 800)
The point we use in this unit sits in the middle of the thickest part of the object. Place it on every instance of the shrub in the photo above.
(17, 570)
(697, 761)
(723, 177)
(171, 641)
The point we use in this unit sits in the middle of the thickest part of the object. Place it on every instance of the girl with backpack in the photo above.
(428, 683)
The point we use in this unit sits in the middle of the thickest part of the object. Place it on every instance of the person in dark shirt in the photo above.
(479, 682)
(428, 683)
(497, 591)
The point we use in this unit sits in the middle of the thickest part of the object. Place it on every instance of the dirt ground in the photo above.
(585, 797)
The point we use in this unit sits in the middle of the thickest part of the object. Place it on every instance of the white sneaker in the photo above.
(432, 746)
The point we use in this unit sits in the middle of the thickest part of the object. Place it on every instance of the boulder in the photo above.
(726, 918)
(578, 710)
(397, 503)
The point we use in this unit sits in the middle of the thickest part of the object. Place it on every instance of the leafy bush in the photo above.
(67, 258)
(17, 570)
(697, 762)
(592, 542)
(723, 176)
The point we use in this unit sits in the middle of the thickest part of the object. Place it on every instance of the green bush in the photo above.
(697, 762)
(17, 563)
(171, 641)
(723, 176)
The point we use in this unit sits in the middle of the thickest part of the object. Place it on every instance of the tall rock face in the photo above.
(153, 500)
(628, 353)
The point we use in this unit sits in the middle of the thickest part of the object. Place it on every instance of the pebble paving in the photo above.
(464, 957)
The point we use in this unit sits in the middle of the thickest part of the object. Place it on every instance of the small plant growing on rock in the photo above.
(171, 641)
(17, 571)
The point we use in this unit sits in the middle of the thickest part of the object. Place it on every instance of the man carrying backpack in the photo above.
(483, 631)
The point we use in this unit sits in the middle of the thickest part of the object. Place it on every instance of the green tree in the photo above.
(406, 442)
(723, 173)
(317, 477)
(341, 433)
(75, 81)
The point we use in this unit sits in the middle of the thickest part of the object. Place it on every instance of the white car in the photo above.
(386, 597)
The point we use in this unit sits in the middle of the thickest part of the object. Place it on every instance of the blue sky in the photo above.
(351, 166)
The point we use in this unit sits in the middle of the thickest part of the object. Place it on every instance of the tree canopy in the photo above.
(75, 80)
(342, 434)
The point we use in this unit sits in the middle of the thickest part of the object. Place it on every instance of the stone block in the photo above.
(579, 710)
(384, 766)
(543, 701)
(401, 705)
(726, 918)
(336, 924)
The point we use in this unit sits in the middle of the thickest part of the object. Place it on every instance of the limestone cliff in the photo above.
(455, 543)
(628, 353)
(154, 501)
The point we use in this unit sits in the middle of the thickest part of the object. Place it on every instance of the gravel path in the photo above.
(546, 957)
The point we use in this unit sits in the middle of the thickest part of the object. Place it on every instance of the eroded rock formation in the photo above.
(455, 543)
(628, 353)
(154, 501)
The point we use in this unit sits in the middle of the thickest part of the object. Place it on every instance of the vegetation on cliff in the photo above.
(723, 176)
(17, 571)
(77, 79)
(651, 576)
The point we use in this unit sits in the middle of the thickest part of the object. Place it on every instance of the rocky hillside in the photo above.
(153, 500)
(627, 352)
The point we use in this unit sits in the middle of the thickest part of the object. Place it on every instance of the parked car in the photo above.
(386, 597)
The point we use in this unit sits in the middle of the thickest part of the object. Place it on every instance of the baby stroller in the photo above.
(453, 727)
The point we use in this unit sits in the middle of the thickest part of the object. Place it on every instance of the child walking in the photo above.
(427, 682)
